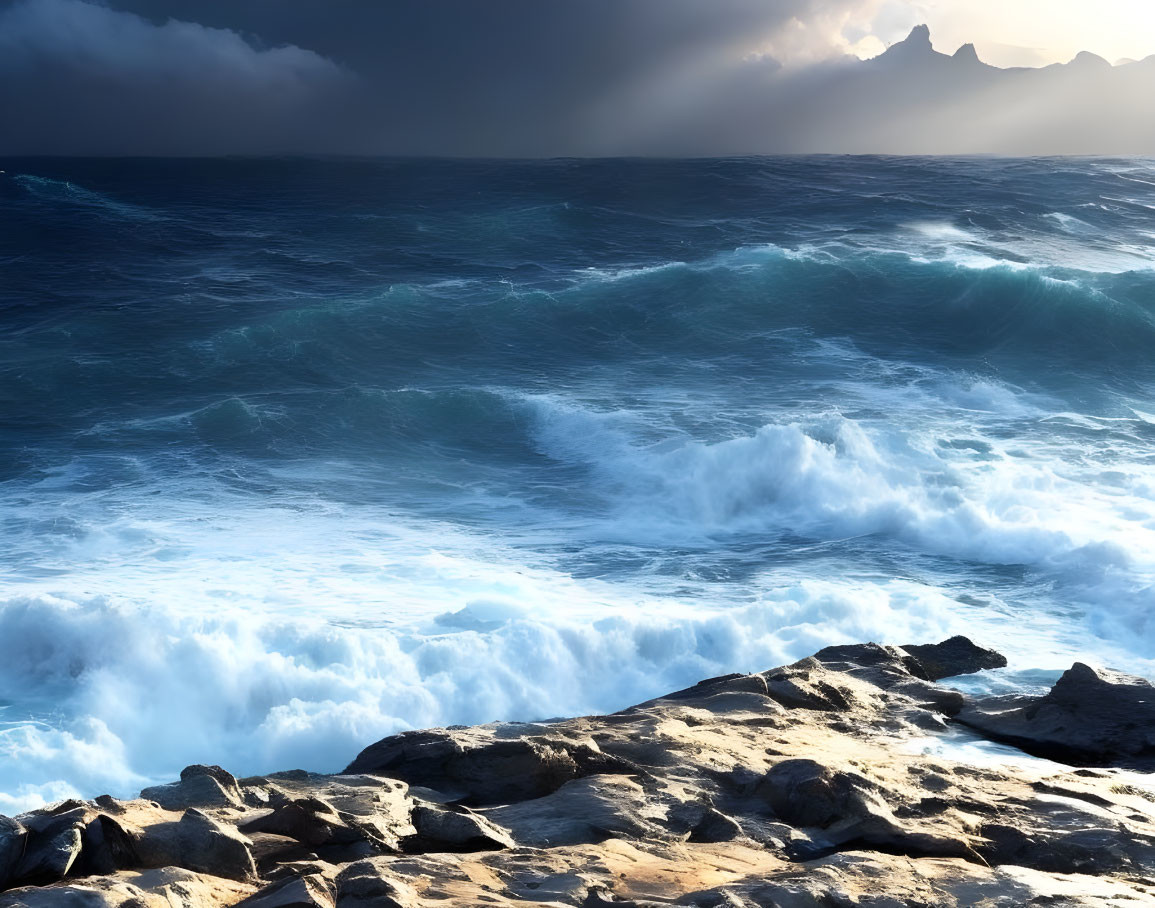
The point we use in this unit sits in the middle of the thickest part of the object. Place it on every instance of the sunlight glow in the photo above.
(1028, 32)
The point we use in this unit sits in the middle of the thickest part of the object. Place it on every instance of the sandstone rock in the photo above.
(483, 769)
(311, 821)
(584, 810)
(374, 809)
(169, 887)
(808, 785)
(848, 808)
(199, 786)
(308, 891)
(108, 846)
(1091, 717)
(455, 830)
(367, 884)
(269, 849)
(198, 843)
(889, 669)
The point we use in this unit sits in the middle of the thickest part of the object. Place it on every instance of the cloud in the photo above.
(532, 78)
(483, 77)
(80, 78)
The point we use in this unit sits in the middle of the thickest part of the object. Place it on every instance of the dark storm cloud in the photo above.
(76, 77)
(449, 76)
(522, 77)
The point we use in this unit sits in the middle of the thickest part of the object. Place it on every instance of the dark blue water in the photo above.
(297, 453)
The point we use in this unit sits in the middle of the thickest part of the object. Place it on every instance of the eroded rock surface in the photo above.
(806, 785)
(1091, 717)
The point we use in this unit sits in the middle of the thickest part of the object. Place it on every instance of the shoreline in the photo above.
(810, 784)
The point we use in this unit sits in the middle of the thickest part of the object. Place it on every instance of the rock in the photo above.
(847, 807)
(170, 887)
(269, 849)
(715, 826)
(311, 821)
(956, 656)
(367, 884)
(482, 768)
(199, 786)
(584, 810)
(881, 668)
(198, 843)
(815, 784)
(108, 847)
(310, 891)
(1091, 717)
(13, 838)
(50, 852)
(455, 830)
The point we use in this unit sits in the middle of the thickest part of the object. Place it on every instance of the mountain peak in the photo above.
(916, 44)
(1086, 58)
(919, 37)
(967, 54)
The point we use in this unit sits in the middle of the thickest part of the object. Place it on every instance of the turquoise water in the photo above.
(296, 454)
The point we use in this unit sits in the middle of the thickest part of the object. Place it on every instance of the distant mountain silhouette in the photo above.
(915, 99)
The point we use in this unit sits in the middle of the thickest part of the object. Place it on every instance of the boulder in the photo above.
(198, 843)
(13, 838)
(956, 656)
(108, 846)
(50, 852)
(1091, 717)
(881, 668)
(484, 769)
(199, 786)
(311, 821)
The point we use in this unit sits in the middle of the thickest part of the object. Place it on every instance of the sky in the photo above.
(1032, 32)
(570, 77)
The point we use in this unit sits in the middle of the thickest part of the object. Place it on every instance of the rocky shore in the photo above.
(806, 785)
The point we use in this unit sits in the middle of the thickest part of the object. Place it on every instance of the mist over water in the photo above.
(295, 455)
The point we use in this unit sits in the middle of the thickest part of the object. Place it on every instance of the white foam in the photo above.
(941, 484)
(142, 691)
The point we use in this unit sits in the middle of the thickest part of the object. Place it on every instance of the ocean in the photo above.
(296, 454)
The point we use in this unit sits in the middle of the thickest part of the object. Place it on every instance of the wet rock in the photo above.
(953, 657)
(1091, 717)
